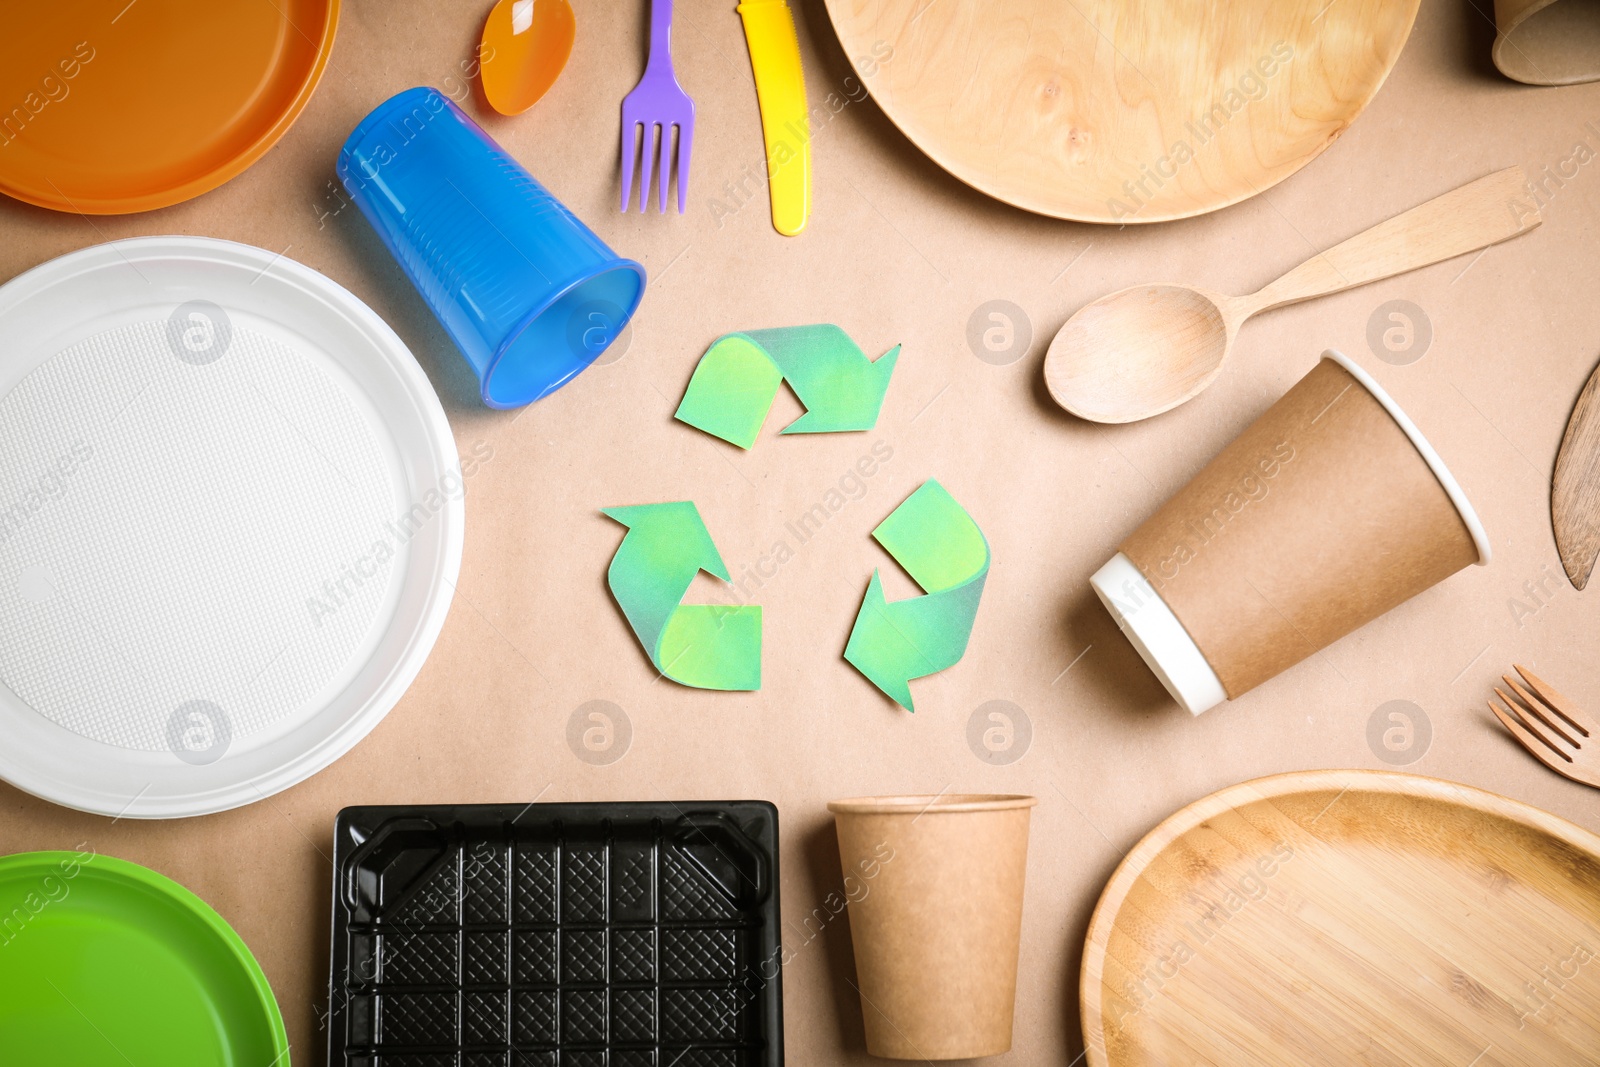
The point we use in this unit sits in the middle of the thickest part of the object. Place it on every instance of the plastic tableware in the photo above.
(524, 49)
(230, 525)
(628, 934)
(650, 112)
(526, 291)
(108, 106)
(785, 115)
(104, 963)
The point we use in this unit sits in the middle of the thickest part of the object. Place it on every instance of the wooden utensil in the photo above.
(1349, 917)
(1575, 488)
(1549, 726)
(1106, 111)
(1145, 350)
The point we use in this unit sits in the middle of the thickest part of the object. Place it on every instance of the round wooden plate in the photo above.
(1349, 917)
(1108, 111)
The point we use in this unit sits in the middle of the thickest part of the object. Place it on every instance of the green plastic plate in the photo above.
(104, 963)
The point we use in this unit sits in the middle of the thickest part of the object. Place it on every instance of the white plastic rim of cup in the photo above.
(1158, 635)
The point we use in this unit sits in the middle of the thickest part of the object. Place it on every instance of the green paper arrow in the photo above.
(939, 545)
(737, 379)
(708, 646)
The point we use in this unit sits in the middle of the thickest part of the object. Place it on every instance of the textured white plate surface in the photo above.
(230, 525)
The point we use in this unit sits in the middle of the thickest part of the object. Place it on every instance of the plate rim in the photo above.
(209, 179)
(252, 787)
(142, 877)
(1272, 786)
(1107, 219)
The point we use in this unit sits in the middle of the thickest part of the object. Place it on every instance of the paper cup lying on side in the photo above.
(1547, 42)
(937, 924)
(1328, 511)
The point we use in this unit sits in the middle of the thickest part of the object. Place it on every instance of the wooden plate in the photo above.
(1349, 917)
(1108, 111)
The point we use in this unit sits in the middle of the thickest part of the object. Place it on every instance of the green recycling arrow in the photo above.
(737, 379)
(708, 646)
(939, 545)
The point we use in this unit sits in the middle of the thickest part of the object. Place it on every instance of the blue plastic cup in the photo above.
(526, 291)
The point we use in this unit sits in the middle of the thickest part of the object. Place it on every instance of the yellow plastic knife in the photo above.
(785, 119)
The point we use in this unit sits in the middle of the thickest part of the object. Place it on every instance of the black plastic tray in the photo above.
(557, 935)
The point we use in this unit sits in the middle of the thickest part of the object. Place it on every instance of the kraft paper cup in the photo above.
(936, 919)
(1328, 511)
(1547, 42)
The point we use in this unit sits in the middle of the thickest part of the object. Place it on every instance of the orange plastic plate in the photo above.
(111, 106)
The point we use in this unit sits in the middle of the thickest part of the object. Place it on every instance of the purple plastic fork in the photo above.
(656, 105)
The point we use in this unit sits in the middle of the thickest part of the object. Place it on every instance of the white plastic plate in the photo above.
(230, 525)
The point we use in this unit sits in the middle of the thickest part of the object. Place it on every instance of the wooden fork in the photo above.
(1550, 727)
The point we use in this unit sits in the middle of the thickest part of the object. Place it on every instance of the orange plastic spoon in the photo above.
(525, 47)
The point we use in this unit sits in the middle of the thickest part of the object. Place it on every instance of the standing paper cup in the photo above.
(1328, 511)
(1547, 42)
(936, 919)
(526, 291)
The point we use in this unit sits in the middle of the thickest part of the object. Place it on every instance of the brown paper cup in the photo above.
(937, 920)
(1548, 42)
(1328, 511)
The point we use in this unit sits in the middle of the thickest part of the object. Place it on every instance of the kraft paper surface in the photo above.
(1050, 699)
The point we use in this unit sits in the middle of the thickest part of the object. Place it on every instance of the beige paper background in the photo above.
(899, 252)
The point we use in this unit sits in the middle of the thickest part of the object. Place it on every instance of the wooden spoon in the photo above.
(1145, 350)
(525, 48)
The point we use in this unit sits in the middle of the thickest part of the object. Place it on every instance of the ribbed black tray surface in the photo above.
(556, 935)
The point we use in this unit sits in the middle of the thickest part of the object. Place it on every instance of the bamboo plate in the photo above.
(1349, 917)
(1106, 111)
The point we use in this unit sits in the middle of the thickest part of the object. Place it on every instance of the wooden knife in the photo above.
(1575, 490)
